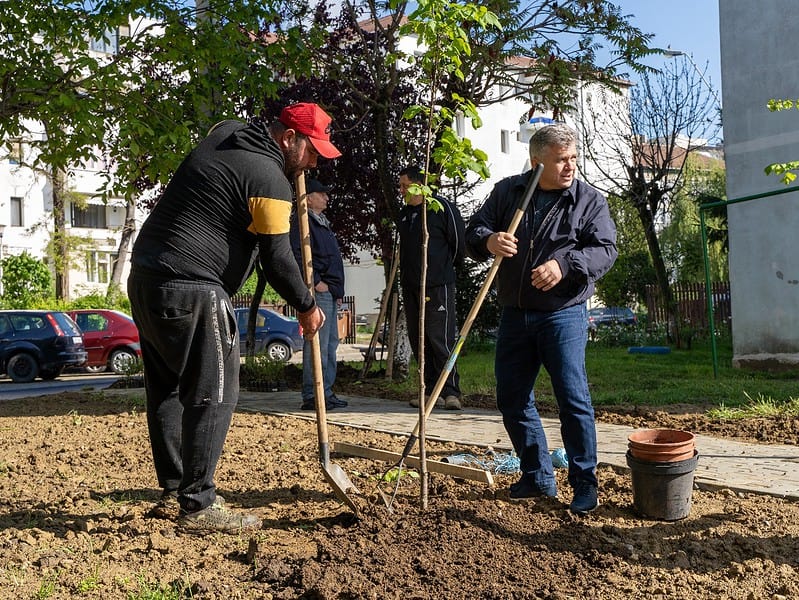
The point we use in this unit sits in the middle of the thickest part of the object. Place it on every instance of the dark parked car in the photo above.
(111, 339)
(275, 335)
(38, 343)
(599, 317)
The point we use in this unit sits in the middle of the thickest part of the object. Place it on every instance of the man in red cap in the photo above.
(227, 205)
(314, 123)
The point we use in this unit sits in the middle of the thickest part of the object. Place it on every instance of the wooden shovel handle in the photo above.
(316, 354)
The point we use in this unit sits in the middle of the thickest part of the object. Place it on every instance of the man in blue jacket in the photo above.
(563, 245)
(328, 277)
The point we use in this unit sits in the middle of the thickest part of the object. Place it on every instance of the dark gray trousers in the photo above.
(190, 350)
(441, 329)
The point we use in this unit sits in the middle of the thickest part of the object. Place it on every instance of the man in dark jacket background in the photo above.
(565, 243)
(328, 277)
(227, 205)
(445, 247)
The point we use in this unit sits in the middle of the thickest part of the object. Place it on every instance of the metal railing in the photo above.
(710, 311)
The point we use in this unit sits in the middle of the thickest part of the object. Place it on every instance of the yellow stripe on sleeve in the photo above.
(270, 216)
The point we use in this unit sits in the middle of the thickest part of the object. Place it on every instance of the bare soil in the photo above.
(76, 483)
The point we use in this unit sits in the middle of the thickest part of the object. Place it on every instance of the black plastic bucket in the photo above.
(662, 490)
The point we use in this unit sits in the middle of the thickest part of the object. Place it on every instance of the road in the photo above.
(71, 382)
(65, 383)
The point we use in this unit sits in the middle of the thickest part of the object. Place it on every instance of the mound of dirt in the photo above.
(76, 482)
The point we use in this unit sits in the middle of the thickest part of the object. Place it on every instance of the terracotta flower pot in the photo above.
(661, 445)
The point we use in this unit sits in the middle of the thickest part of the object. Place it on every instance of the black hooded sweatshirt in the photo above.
(228, 195)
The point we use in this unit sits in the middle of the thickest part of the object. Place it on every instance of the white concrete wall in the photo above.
(758, 63)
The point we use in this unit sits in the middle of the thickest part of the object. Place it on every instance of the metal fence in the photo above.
(346, 314)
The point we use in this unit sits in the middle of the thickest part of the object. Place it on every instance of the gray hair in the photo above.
(558, 134)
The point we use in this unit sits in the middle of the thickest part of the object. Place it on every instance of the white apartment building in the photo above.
(26, 205)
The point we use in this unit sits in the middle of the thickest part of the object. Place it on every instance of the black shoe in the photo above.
(335, 402)
(525, 490)
(330, 404)
(585, 499)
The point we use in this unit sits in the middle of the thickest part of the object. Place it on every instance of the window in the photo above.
(108, 44)
(91, 322)
(15, 154)
(99, 266)
(505, 141)
(93, 216)
(16, 211)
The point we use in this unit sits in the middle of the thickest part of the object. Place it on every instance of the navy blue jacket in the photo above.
(445, 244)
(578, 232)
(327, 263)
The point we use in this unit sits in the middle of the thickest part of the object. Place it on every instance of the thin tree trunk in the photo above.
(402, 350)
(128, 229)
(647, 220)
(60, 246)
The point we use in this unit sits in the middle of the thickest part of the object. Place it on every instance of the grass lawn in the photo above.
(618, 377)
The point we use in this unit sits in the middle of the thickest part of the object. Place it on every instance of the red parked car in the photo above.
(111, 339)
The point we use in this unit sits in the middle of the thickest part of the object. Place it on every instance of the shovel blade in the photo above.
(341, 484)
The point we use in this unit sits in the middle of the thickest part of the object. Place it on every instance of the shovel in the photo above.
(334, 474)
(532, 182)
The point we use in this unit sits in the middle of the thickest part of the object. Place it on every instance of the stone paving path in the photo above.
(734, 465)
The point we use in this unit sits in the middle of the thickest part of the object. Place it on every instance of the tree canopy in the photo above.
(169, 69)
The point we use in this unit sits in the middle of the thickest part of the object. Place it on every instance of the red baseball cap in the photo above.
(310, 120)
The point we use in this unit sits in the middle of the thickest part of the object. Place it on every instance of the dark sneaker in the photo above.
(336, 402)
(585, 499)
(524, 490)
(167, 506)
(217, 518)
(330, 404)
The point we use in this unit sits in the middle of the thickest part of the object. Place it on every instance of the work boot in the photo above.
(585, 498)
(452, 403)
(167, 506)
(217, 518)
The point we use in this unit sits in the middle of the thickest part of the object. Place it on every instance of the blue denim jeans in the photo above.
(527, 340)
(328, 344)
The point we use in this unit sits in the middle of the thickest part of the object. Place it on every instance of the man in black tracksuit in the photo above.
(228, 202)
(445, 246)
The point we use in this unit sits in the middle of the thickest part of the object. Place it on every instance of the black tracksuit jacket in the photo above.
(229, 195)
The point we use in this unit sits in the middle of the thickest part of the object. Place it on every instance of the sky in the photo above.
(691, 26)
